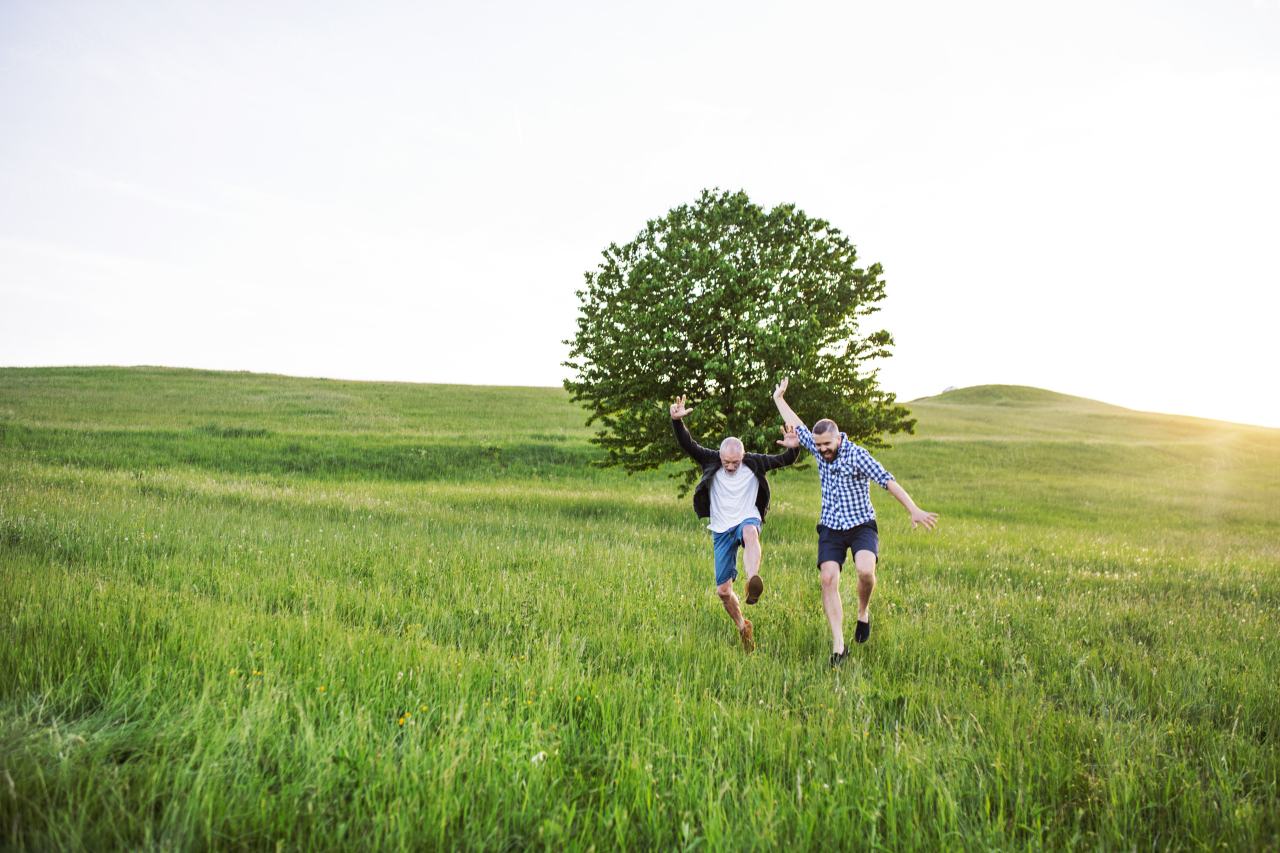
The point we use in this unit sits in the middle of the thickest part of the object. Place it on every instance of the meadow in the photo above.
(249, 612)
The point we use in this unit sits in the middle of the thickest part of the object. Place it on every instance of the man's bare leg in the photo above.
(865, 562)
(751, 551)
(730, 602)
(829, 573)
(746, 631)
(751, 562)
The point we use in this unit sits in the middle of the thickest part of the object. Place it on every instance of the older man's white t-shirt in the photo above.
(733, 498)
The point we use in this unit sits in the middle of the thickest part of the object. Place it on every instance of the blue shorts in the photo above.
(727, 545)
(834, 545)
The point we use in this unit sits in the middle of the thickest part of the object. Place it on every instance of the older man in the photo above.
(735, 502)
(848, 520)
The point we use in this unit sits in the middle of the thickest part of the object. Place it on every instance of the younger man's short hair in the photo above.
(825, 426)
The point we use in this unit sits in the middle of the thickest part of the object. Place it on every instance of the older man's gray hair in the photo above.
(732, 446)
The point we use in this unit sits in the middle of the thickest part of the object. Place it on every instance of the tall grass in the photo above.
(208, 649)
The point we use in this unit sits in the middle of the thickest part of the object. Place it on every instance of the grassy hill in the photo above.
(1072, 460)
(1014, 412)
(152, 418)
(252, 612)
(166, 398)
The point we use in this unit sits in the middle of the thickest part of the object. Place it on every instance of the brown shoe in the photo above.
(748, 636)
(755, 587)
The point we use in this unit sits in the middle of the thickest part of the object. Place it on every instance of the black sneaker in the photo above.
(838, 659)
(862, 632)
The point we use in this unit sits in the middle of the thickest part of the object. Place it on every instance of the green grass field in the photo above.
(247, 612)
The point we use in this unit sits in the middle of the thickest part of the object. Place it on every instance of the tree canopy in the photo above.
(719, 300)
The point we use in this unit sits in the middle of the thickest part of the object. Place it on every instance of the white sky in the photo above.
(1078, 196)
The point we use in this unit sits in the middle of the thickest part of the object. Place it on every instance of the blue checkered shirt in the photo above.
(846, 482)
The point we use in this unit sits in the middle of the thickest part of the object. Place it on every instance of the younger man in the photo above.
(736, 503)
(848, 521)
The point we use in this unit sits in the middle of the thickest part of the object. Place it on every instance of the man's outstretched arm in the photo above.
(918, 516)
(788, 456)
(789, 417)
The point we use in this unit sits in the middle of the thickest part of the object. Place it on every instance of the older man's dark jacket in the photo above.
(758, 463)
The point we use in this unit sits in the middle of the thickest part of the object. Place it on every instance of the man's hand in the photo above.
(789, 417)
(678, 408)
(919, 516)
(790, 438)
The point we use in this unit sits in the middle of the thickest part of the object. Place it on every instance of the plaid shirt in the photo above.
(846, 489)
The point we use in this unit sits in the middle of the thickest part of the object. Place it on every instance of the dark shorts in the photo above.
(726, 547)
(834, 545)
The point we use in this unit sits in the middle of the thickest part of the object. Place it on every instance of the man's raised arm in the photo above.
(789, 417)
(699, 454)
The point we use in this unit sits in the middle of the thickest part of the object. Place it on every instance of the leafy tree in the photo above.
(719, 300)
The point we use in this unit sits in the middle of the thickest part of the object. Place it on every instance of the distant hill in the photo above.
(1009, 412)
(1017, 396)
(179, 398)
(150, 418)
